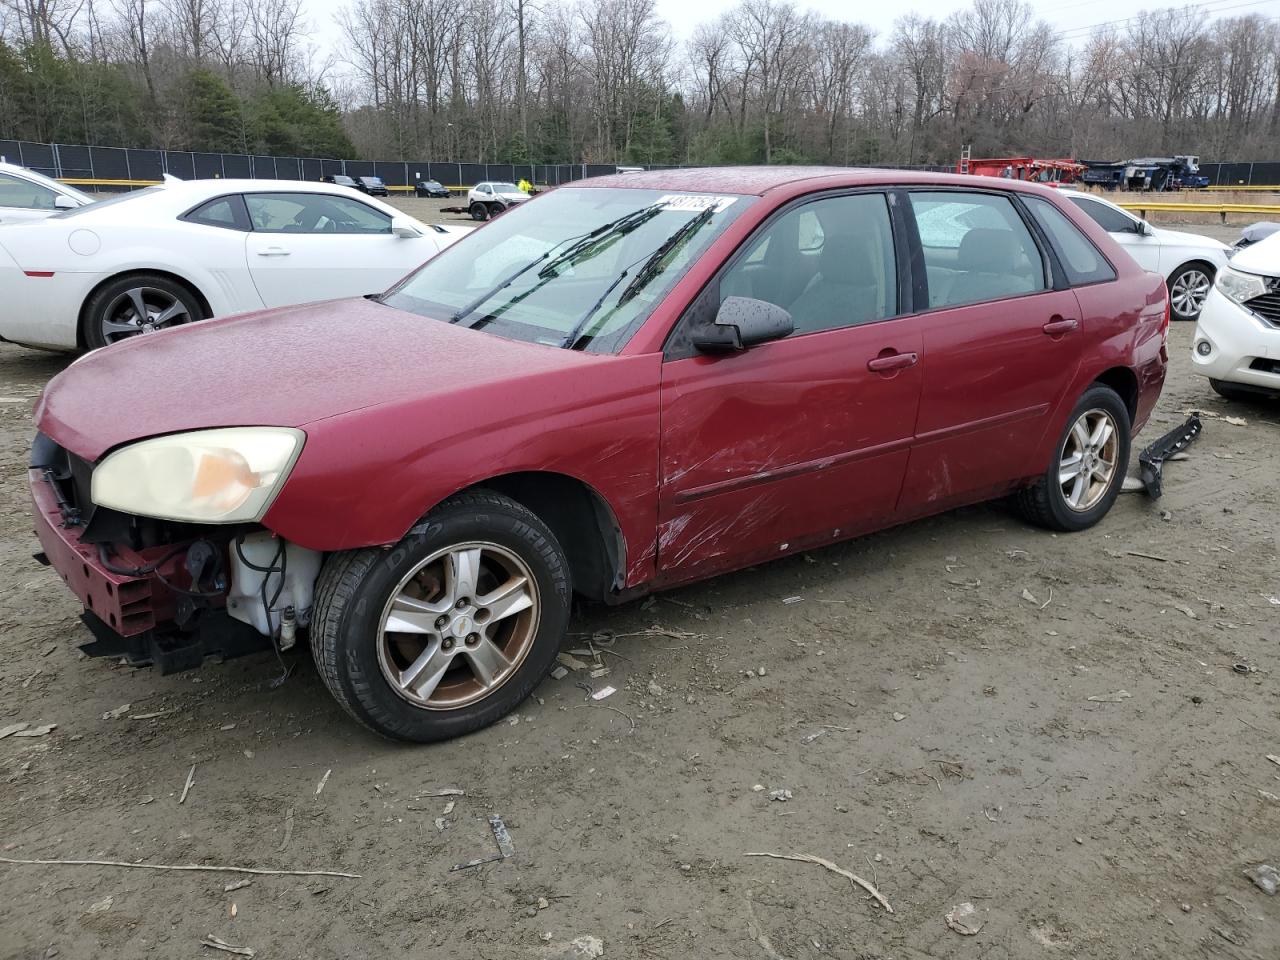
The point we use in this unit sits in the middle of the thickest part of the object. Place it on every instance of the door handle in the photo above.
(893, 361)
(1059, 326)
(273, 252)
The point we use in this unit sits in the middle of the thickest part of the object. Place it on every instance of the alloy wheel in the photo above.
(458, 626)
(142, 310)
(1188, 292)
(1087, 465)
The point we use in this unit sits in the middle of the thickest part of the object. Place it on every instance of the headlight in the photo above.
(229, 475)
(1239, 286)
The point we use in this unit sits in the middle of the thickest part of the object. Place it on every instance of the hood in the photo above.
(1262, 257)
(1190, 239)
(286, 367)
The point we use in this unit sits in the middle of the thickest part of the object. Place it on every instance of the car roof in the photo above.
(757, 181)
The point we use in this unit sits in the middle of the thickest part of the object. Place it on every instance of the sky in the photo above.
(1073, 18)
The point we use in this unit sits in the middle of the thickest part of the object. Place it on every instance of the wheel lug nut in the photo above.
(473, 639)
(441, 622)
(462, 602)
(448, 643)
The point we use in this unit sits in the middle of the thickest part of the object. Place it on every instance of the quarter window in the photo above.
(976, 248)
(1080, 259)
(829, 263)
(24, 195)
(1108, 218)
(313, 213)
(223, 212)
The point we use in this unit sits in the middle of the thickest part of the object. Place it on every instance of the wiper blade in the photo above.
(650, 268)
(623, 224)
(599, 239)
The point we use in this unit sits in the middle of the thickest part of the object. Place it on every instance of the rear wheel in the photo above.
(450, 629)
(137, 304)
(1084, 478)
(479, 211)
(1188, 287)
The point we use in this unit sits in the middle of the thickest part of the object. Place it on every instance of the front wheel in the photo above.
(1085, 475)
(1188, 288)
(448, 630)
(479, 211)
(137, 304)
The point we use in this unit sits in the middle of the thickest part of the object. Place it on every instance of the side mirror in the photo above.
(742, 322)
(1144, 229)
(61, 202)
(404, 228)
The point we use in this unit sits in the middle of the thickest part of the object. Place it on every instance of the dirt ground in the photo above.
(964, 710)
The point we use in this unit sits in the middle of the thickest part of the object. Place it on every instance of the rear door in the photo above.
(313, 246)
(802, 440)
(1001, 345)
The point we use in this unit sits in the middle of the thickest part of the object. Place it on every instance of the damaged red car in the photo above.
(623, 385)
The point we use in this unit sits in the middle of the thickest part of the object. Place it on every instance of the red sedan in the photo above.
(630, 383)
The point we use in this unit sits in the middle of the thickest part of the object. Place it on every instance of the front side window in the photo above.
(1108, 218)
(1080, 258)
(25, 195)
(579, 268)
(313, 213)
(976, 248)
(829, 263)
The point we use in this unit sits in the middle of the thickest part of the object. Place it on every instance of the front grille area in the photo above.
(1265, 365)
(1267, 306)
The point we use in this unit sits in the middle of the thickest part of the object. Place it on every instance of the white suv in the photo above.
(490, 198)
(1237, 340)
(26, 195)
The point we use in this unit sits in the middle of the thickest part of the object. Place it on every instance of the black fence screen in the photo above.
(107, 167)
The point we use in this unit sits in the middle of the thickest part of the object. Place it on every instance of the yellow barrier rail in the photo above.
(1222, 209)
(91, 182)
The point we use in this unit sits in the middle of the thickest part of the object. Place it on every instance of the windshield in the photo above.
(103, 204)
(372, 180)
(579, 267)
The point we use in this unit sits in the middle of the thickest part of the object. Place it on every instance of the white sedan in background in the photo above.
(187, 250)
(26, 195)
(1237, 340)
(490, 198)
(1187, 261)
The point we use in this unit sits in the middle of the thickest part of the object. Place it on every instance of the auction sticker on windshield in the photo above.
(695, 202)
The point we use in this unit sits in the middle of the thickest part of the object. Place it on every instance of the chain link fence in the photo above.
(120, 167)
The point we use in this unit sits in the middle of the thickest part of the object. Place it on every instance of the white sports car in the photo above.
(1187, 261)
(187, 250)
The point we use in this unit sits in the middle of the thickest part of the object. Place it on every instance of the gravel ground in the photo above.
(963, 710)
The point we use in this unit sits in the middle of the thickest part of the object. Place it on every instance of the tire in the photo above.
(1046, 504)
(479, 211)
(1188, 286)
(112, 314)
(1233, 391)
(366, 667)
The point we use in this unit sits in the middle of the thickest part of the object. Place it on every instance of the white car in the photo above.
(1187, 261)
(490, 198)
(1237, 340)
(187, 250)
(26, 195)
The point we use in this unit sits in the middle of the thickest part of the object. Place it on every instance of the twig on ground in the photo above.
(215, 944)
(1147, 556)
(323, 781)
(288, 830)
(186, 788)
(188, 867)
(827, 864)
(615, 710)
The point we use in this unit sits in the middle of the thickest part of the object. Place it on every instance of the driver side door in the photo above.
(803, 440)
(310, 246)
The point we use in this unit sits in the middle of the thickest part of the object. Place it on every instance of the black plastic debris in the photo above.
(1151, 460)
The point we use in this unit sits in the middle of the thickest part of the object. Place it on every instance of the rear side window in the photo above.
(1109, 219)
(976, 248)
(227, 212)
(1080, 258)
(24, 195)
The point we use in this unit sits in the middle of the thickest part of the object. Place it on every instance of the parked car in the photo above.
(1188, 261)
(1237, 340)
(166, 255)
(373, 186)
(632, 383)
(1254, 233)
(490, 198)
(26, 195)
(341, 180)
(431, 188)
